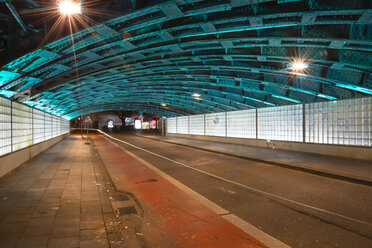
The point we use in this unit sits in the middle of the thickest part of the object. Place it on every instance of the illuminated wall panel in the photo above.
(21, 126)
(346, 122)
(343, 122)
(65, 126)
(48, 128)
(172, 125)
(196, 124)
(38, 126)
(281, 123)
(59, 126)
(5, 126)
(55, 126)
(241, 124)
(60, 132)
(183, 125)
(215, 124)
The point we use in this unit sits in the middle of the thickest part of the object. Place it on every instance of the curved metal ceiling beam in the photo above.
(268, 71)
(204, 40)
(125, 106)
(162, 98)
(283, 86)
(262, 59)
(230, 81)
(176, 89)
(166, 93)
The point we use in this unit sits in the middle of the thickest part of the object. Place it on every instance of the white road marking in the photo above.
(242, 185)
(225, 214)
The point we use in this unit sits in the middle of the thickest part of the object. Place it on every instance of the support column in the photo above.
(11, 126)
(205, 131)
(32, 124)
(225, 124)
(256, 123)
(303, 123)
(188, 123)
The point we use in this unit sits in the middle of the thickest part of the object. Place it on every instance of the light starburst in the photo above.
(298, 65)
(67, 7)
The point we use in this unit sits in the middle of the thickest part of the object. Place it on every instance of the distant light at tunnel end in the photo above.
(69, 7)
(298, 65)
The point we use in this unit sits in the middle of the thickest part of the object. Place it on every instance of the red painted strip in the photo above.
(184, 221)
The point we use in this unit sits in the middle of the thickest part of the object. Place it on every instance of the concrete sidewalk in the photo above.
(59, 199)
(352, 170)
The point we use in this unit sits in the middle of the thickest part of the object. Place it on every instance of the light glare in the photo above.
(298, 65)
(69, 8)
(196, 95)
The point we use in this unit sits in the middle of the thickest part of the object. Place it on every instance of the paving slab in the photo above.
(56, 200)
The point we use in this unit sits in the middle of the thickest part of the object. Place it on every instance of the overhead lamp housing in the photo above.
(69, 7)
(298, 65)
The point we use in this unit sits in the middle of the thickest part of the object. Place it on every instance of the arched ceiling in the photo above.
(235, 54)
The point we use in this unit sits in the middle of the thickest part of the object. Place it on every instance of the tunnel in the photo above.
(185, 123)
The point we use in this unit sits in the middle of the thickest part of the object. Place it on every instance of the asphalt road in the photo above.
(300, 209)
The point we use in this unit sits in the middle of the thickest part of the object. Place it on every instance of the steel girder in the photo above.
(162, 111)
(234, 54)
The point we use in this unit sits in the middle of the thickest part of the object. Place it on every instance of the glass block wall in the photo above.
(280, 123)
(172, 125)
(215, 124)
(38, 126)
(48, 128)
(196, 124)
(343, 122)
(22, 126)
(346, 122)
(241, 124)
(56, 127)
(65, 126)
(183, 124)
(5, 126)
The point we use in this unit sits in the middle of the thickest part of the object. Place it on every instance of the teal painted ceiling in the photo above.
(192, 56)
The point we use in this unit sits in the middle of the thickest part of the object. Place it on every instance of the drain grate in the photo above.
(127, 210)
(122, 198)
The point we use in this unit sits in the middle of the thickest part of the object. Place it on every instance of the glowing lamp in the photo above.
(298, 65)
(67, 7)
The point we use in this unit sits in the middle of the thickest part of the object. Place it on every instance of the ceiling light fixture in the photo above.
(163, 104)
(68, 7)
(298, 65)
(196, 95)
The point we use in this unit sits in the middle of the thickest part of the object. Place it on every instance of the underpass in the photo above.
(193, 123)
(289, 200)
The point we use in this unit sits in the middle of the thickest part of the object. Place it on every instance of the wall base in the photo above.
(356, 152)
(11, 161)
